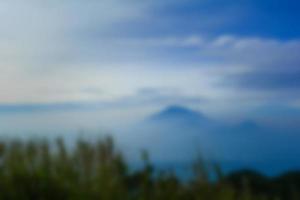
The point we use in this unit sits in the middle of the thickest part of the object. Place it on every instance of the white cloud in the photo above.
(171, 41)
(246, 51)
(224, 56)
(38, 33)
(58, 51)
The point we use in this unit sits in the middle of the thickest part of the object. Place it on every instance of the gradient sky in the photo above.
(237, 58)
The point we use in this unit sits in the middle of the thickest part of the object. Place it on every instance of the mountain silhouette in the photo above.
(178, 114)
(180, 132)
(248, 125)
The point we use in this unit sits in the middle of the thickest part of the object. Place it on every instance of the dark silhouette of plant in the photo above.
(97, 170)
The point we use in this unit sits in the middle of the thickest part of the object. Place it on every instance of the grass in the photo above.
(41, 170)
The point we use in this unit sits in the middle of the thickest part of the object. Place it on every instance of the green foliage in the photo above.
(42, 170)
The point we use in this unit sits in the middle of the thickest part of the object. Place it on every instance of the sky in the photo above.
(122, 59)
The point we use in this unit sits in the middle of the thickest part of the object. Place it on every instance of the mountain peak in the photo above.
(173, 109)
(248, 125)
(178, 113)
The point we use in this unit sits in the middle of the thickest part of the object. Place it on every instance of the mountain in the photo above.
(247, 126)
(178, 134)
(178, 114)
(175, 133)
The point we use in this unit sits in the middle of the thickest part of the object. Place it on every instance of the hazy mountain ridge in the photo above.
(179, 113)
(182, 133)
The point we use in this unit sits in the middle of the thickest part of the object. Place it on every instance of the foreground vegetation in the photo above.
(42, 170)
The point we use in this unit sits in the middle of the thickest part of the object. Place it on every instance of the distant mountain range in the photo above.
(178, 133)
(176, 115)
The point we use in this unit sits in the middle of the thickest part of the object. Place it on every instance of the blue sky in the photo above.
(225, 58)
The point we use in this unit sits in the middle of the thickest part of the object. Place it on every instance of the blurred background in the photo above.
(180, 79)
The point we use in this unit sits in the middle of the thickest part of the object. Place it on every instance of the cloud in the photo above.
(160, 97)
(269, 80)
(90, 115)
(271, 65)
(251, 56)
(30, 108)
(77, 51)
(252, 71)
(41, 33)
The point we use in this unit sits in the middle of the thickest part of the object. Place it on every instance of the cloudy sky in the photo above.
(219, 56)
